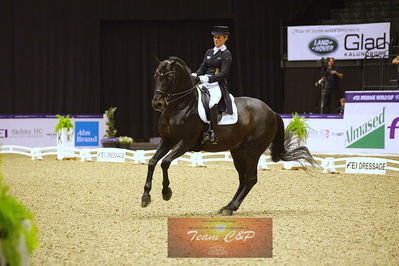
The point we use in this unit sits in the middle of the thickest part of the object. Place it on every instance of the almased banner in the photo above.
(343, 42)
(372, 122)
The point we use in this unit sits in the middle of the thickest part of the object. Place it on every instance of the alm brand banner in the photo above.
(372, 121)
(219, 237)
(86, 133)
(343, 42)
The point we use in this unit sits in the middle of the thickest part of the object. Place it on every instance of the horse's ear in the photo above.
(156, 61)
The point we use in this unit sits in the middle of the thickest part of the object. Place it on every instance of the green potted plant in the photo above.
(299, 128)
(125, 142)
(63, 122)
(64, 129)
(110, 139)
(18, 232)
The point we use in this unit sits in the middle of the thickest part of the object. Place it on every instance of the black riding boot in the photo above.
(210, 136)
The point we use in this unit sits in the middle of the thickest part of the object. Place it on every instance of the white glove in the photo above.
(204, 79)
(194, 75)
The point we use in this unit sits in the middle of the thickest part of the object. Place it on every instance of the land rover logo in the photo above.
(323, 45)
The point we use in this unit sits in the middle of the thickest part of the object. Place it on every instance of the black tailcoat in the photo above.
(217, 66)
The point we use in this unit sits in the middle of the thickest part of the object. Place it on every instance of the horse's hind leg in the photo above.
(246, 164)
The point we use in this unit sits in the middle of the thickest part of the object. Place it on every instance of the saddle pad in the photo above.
(226, 118)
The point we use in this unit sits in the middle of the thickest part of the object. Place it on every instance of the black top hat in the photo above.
(220, 30)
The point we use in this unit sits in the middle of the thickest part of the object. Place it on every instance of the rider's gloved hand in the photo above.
(194, 75)
(204, 79)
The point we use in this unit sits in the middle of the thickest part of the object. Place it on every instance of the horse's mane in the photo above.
(181, 62)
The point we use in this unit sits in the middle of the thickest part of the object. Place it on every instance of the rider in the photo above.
(213, 74)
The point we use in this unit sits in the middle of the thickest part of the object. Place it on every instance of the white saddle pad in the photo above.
(226, 118)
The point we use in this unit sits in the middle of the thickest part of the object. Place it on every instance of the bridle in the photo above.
(170, 95)
(166, 94)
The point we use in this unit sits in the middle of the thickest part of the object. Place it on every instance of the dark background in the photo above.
(88, 55)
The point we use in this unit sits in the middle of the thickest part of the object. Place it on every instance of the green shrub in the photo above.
(12, 213)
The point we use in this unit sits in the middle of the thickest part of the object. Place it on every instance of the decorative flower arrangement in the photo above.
(64, 122)
(125, 140)
(298, 127)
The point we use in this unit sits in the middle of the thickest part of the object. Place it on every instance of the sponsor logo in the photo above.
(366, 165)
(21, 132)
(323, 45)
(220, 238)
(355, 44)
(111, 155)
(86, 133)
(369, 134)
(394, 125)
(3, 133)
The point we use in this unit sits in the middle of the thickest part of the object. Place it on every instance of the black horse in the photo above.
(181, 130)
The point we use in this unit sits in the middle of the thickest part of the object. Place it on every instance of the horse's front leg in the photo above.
(161, 151)
(176, 152)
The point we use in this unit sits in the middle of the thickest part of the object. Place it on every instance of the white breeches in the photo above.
(214, 91)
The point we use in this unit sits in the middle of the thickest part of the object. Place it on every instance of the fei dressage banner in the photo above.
(343, 42)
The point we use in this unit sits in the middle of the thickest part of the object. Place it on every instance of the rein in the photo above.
(179, 95)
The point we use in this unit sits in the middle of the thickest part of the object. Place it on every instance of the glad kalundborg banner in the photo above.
(343, 42)
(372, 122)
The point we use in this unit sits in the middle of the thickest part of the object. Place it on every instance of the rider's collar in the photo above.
(216, 49)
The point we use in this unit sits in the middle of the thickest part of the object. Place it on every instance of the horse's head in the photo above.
(171, 76)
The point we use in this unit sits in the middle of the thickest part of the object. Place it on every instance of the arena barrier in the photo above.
(197, 159)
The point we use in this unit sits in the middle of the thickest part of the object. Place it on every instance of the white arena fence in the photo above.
(197, 159)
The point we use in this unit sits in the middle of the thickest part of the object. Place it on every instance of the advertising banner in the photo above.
(343, 42)
(326, 134)
(220, 238)
(37, 130)
(360, 165)
(372, 122)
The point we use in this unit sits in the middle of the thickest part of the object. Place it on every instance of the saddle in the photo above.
(205, 97)
(205, 113)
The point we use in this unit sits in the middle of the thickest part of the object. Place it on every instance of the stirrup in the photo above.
(210, 137)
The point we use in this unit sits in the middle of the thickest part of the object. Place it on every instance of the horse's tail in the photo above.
(283, 147)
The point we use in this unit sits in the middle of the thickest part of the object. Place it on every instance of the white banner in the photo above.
(326, 134)
(364, 165)
(372, 122)
(38, 130)
(343, 42)
(111, 155)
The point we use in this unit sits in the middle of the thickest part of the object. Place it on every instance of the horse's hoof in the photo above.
(145, 200)
(227, 212)
(166, 196)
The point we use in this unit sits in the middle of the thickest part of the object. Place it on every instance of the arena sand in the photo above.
(89, 213)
